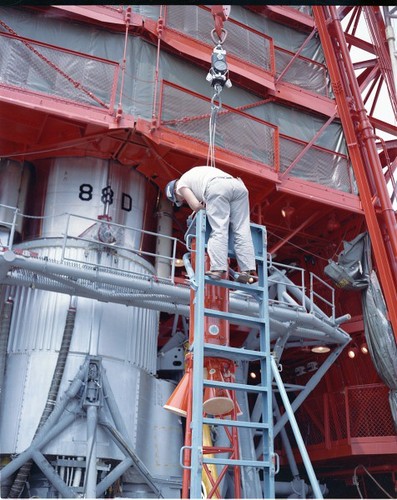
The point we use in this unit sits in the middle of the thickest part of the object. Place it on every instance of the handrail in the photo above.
(295, 294)
(193, 122)
(359, 411)
(114, 230)
(265, 59)
(190, 118)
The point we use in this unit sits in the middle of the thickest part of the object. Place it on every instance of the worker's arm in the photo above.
(190, 199)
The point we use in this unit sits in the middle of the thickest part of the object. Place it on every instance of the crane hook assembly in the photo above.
(218, 73)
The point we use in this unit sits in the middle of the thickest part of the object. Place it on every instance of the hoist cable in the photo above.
(215, 107)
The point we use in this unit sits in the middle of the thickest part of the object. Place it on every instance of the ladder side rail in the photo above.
(266, 373)
(198, 360)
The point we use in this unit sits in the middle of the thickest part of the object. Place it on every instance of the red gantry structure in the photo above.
(101, 106)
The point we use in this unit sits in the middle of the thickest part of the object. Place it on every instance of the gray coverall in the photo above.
(227, 205)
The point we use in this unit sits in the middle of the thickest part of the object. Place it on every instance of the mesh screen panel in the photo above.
(241, 41)
(45, 72)
(370, 413)
(306, 9)
(366, 409)
(245, 136)
(316, 165)
(302, 72)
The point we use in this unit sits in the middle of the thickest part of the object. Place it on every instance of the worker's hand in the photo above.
(199, 206)
(191, 200)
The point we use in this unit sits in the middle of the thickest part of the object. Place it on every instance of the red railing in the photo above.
(247, 136)
(197, 22)
(46, 69)
(188, 113)
(302, 71)
(360, 411)
(250, 46)
(319, 165)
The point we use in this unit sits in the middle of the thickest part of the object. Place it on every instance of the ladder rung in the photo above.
(235, 285)
(234, 386)
(235, 318)
(241, 462)
(235, 423)
(233, 352)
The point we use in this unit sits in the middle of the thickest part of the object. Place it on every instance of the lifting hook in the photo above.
(220, 14)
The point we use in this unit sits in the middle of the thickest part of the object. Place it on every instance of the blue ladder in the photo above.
(199, 350)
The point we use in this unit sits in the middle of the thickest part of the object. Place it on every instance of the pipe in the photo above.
(175, 293)
(91, 457)
(113, 408)
(164, 261)
(41, 440)
(52, 476)
(127, 13)
(311, 384)
(391, 41)
(53, 426)
(127, 449)
(281, 326)
(342, 319)
(77, 475)
(144, 284)
(6, 262)
(283, 489)
(113, 475)
(306, 324)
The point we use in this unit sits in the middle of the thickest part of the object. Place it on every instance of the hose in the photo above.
(23, 473)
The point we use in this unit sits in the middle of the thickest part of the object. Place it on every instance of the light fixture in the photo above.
(252, 374)
(352, 352)
(287, 211)
(333, 223)
(320, 349)
(364, 348)
(179, 263)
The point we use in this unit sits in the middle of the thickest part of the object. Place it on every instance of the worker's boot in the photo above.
(216, 275)
(246, 277)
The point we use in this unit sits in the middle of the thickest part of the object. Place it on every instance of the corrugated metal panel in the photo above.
(39, 319)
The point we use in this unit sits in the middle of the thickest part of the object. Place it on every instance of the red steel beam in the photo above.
(363, 153)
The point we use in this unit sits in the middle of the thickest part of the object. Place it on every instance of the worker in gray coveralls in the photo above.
(225, 199)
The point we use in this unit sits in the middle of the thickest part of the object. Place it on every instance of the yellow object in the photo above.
(207, 486)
